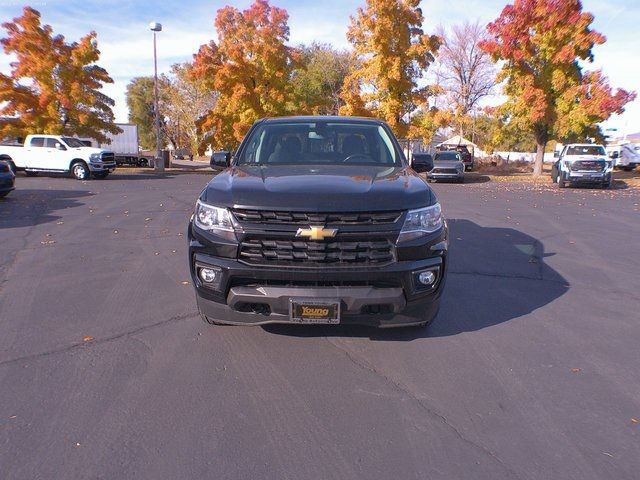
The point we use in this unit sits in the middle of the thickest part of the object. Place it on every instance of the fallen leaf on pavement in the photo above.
(576, 370)
(88, 338)
(635, 420)
(185, 283)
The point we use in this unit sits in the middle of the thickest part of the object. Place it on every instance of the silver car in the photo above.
(447, 165)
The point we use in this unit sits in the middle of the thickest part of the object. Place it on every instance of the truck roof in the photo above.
(321, 118)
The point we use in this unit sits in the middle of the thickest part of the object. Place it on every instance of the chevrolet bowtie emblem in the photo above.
(316, 233)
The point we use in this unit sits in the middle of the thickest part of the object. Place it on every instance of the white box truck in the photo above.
(124, 145)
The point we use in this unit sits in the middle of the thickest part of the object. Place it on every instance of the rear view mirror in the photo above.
(220, 159)
(422, 162)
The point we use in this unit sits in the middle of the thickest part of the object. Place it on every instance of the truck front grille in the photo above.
(257, 251)
(304, 218)
(588, 166)
(448, 171)
(108, 157)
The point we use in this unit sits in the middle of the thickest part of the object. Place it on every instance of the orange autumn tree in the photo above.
(54, 86)
(543, 44)
(394, 53)
(250, 67)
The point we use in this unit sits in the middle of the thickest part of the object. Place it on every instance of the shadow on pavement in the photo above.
(29, 207)
(495, 275)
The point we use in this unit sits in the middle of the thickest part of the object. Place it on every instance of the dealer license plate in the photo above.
(315, 311)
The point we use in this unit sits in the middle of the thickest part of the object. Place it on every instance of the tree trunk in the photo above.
(537, 165)
(541, 144)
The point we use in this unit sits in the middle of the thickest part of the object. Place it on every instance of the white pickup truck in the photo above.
(58, 154)
(582, 163)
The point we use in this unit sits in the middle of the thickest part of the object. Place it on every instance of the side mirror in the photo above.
(220, 159)
(614, 155)
(59, 146)
(556, 154)
(422, 162)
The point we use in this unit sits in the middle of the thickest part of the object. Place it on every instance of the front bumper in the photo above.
(102, 167)
(382, 296)
(445, 176)
(588, 177)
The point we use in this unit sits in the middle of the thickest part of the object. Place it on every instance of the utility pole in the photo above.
(159, 162)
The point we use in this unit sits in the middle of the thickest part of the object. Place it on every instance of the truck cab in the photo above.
(59, 154)
(582, 164)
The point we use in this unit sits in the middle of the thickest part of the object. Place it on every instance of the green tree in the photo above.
(542, 45)
(54, 86)
(140, 101)
(318, 79)
(394, 53)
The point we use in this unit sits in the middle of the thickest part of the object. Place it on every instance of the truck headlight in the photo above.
(214, 219)
(95, 157)
(421, 222)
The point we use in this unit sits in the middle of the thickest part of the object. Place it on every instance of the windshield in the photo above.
(72, 142)
(305, 143)
(585, 150)
(447, 156)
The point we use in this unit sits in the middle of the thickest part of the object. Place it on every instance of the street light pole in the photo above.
(159, 162)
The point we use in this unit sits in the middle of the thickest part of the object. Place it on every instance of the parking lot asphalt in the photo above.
(531, 371)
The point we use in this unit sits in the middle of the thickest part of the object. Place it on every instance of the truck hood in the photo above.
(318, 188)
(447, 163)
(90, 150)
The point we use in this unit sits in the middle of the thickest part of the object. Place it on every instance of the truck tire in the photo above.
(80, 171)
(3, 194)
(560, 180)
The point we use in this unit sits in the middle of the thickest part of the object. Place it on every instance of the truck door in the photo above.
(54, 158)
(35, 153)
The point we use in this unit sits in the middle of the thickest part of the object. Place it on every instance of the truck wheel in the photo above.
(30, 174)
(560, 180)
(3, 194)
(80, 171)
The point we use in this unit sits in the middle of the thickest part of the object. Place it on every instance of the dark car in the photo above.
(447, 165)
(465, 151)
(318, 220)
(7, 178)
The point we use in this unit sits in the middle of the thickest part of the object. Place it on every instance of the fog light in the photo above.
(427, 278)
(208, 275)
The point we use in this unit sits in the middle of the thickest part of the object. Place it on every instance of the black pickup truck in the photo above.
(318, 220)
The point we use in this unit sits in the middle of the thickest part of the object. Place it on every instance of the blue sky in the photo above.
(125, 40)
